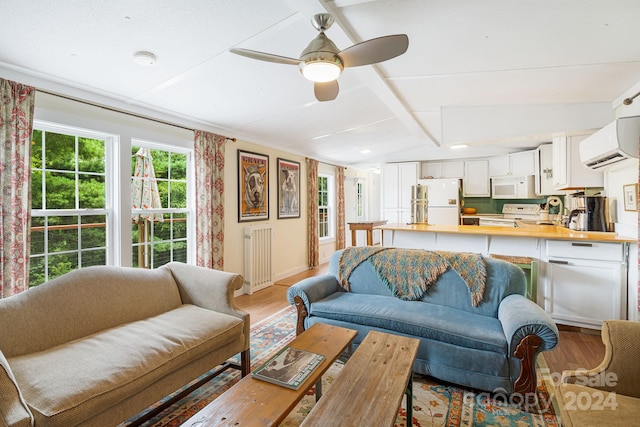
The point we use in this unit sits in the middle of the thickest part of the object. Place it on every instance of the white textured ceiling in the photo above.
(500, 75)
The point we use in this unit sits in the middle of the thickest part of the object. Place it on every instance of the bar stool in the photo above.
(530, 268)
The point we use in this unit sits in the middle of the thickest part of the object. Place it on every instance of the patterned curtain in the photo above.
(312, 212)
(340, 237)
(16, 125)
(209, 159)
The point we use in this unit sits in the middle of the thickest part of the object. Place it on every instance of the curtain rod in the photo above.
(117, 110)
(325, 163)
(628, 101)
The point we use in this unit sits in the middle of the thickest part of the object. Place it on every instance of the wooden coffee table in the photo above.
(252, 402)
(369, 389)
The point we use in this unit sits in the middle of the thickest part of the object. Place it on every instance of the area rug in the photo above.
(434, 403)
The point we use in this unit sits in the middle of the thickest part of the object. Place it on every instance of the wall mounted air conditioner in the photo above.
(613, 143)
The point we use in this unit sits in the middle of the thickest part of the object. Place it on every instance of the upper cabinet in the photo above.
(568, 171)
(516, 164)
(443, 169)
(476, 178)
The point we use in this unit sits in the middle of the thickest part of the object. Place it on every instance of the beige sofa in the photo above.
(608, 395)
(100, 344)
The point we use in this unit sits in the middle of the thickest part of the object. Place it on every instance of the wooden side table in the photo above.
(367, 226)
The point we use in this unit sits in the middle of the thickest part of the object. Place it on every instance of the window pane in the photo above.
(178, 194)
(178, 166)
(93, 232)
(61, 190)
(162, 230)
(180, 226)
(63, 234)
(180, 251)
(91, 155)
(36, 270)
(91, 191)
(94, 257)
(36, 189)
(163, 189)
(37, 236)
(36, 149)
(62, 264)
(160, 163)
(60, 151)
(161, 254)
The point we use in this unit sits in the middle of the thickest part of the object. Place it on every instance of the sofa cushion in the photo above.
(13, 409)
(104, 368)
(81, 303)
(415, 318)
(449, 290)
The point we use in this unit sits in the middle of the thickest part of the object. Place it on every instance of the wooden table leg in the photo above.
(353, 237)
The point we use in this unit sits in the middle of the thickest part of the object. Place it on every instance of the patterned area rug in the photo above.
(434, 404)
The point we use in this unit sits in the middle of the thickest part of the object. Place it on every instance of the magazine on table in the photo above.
(290, 367)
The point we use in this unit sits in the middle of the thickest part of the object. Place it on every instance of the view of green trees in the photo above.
(69, 201)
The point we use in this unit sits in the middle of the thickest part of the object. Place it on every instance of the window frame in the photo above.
(111, 180)
(189, 210)
(330, 207)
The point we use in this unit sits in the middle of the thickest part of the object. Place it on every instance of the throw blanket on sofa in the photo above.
(409, 272)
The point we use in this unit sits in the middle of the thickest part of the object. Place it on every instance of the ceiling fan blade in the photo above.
(326, 91)
(374, 50)
(253, 54)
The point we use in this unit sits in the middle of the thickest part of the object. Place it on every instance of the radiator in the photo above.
(258, 259)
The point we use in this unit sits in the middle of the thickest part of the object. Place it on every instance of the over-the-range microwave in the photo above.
(513, 187)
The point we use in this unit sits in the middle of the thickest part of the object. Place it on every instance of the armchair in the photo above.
(608, 395)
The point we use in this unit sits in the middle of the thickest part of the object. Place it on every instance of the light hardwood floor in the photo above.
(576, 349)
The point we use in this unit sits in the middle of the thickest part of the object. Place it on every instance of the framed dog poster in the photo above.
(253, 186)
(288, 189)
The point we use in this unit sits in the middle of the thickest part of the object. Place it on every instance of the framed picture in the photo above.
(253, 186)
(630, 192)
(288, 189)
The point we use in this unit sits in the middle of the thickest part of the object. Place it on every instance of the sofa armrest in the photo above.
(309, 290)
(208, 288)
(619, 371)
(528, 330)
(521, 317)
(13, 409)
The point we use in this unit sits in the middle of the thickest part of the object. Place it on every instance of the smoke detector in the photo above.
(146, 59)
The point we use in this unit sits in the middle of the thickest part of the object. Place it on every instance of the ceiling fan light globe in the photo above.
(320, 71)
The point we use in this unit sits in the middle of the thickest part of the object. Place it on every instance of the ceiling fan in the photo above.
(322, 62)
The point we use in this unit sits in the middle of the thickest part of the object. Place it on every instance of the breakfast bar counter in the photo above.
(526, 230)
(582, 276)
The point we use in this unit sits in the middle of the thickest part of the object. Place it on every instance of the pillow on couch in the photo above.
(13, 408)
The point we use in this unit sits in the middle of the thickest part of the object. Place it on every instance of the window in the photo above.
(70, 216)
(359, 200)
(326, 203)
(159, 232)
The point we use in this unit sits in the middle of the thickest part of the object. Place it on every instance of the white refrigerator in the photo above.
(443, 198)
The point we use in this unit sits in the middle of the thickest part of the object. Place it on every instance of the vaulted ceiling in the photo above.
(498, 75)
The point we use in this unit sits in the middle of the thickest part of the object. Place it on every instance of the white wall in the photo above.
(290, 235)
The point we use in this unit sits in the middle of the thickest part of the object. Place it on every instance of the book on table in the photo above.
(290, 367)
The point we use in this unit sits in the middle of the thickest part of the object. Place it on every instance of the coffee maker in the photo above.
(588, 213)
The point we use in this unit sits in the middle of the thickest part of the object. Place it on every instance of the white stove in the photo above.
(511, 212)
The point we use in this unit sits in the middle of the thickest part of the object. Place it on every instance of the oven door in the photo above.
(496, 222)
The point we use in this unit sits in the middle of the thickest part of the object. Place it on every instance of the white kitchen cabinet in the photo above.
(396, 182)
(585, 282)
(515, 164)
(475, 182)
(568, 171)
(544, 171)
(440, 169)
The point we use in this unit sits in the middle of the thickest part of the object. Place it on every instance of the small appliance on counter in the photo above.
(588, 213)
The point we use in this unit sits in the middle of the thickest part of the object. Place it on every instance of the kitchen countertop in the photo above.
(522, 230)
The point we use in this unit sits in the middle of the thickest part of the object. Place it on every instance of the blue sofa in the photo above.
(492, 346)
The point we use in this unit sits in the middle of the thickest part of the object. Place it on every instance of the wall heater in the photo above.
(258, 259)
